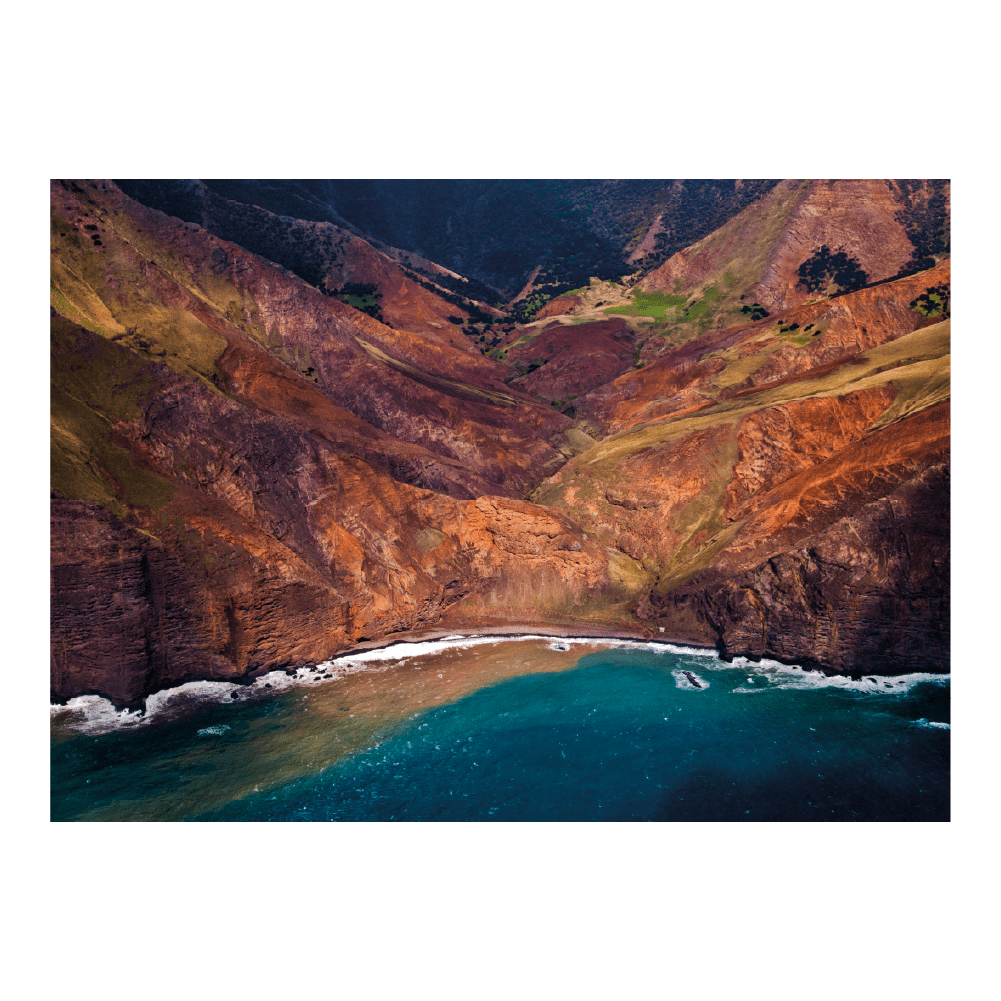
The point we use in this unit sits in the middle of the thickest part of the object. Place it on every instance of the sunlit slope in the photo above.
(174, 294)
(247, 474)
(736, 361)
(803, 241)
(742, 479)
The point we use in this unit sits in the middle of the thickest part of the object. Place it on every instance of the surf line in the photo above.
(578, 634)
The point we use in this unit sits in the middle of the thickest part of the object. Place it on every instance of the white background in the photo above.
(480, 911)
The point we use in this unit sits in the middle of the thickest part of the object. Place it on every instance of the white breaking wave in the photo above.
(421, 648)
(160, 703)
(688, 651)
(214, 731)
(94, 714)
(794, 676)
(928, 723)
(653, 646)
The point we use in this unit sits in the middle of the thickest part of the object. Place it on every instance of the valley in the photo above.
(276, 436)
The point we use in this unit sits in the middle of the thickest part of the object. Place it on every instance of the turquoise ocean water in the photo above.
(526, 729)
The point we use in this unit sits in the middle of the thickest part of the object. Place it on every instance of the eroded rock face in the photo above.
(870, 594)
(227, 498)
(795, 220)
(248, 474)
(717, 505)
(566, 361)
(270, 548)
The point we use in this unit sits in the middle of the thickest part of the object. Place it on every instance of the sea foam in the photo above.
(93, 714)
(796, 677)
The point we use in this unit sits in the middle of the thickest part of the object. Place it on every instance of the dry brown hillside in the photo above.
(248, 472)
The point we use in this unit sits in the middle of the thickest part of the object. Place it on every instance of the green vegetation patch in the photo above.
(87, 465)
(830, 271)
(934, 301)
(653, 304)
(365, 298)
(696, 310)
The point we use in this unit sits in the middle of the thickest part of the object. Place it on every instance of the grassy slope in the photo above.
(89, 462)
(917, 366)
(94, 385)
(737, 255)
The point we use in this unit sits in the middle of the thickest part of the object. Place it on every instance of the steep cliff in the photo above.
(249, 473)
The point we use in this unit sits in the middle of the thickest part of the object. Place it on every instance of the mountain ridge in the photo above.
(251, 470)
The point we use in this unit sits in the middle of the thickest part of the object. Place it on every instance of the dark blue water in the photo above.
(622, 736)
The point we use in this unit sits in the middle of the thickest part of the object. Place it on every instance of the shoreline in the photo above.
(523, 630)
(602, 632)
(111, 716)
(398, 639)
(557, 632)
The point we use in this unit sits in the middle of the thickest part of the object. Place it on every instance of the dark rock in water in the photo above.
(328, 676)
(691, 678)
(233, 695)
(267, 684)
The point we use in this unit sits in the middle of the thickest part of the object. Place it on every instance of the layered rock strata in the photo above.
(249, 474)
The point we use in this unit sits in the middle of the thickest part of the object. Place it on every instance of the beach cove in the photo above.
(514, 728)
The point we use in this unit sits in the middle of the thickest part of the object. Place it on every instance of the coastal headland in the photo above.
(260, 462)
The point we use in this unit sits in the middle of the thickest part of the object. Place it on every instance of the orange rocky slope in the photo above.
(708, 480)
(776, 234)
(248, 473)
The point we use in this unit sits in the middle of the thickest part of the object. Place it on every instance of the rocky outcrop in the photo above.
(560, 306)
(248, 474)
(242, 488)
(567, 360)
(869, 594)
